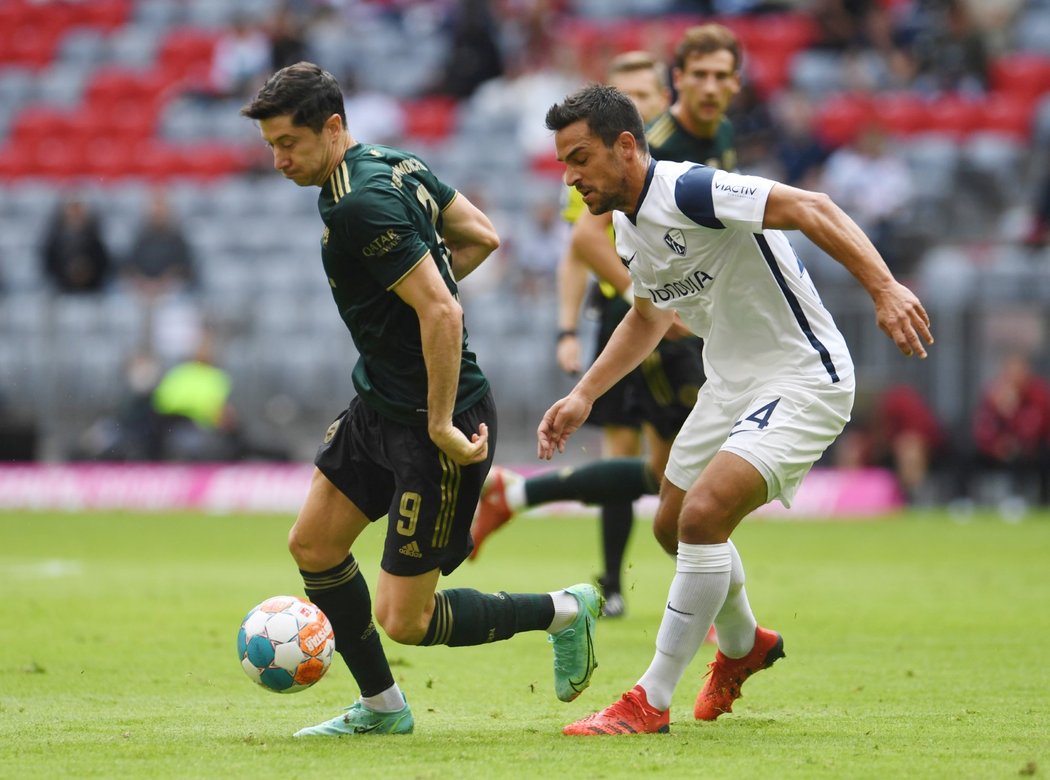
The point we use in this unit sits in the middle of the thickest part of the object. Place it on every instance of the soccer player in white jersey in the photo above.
(708, 245)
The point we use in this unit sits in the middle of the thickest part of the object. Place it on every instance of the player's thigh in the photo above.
(619, 441)
(728, 490)
(326, 527)
(433, 499)
(659, 448)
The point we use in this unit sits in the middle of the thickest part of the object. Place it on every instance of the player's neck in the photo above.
(342, 145)
(636, 176)
(693, 126)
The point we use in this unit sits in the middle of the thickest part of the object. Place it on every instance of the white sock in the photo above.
(566, 608)
(390, 700)
(735, 623)
(514, 491)
(697, 593)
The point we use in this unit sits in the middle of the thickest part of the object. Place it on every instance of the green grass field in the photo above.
(916, 647)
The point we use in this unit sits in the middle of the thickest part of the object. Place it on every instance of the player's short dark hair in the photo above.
(607, 111)
(707, 39)
(304, 91)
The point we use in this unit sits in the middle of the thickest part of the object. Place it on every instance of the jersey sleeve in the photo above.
(722, 199)
(378, 228)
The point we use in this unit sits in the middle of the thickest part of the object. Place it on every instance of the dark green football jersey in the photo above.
(382, 212)
(668, 140)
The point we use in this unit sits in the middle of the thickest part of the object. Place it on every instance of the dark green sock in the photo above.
(342, 594)
(463, 616)
(610, 481)
(617, 522)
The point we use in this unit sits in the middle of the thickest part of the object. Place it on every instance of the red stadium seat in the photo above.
(1007, 114)
(35, 121)
(769, 71)
(955, 115)
(902, 113)
(186, 47)
(782, 33)
(1024, 74)
(840, 118)
(430, 119)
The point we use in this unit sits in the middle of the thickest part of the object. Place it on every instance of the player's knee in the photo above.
(667, 538)
(702, 521)
(400, 627)
(308, 554)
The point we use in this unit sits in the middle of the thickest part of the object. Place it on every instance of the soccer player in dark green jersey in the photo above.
(658, 396)
(417, 441)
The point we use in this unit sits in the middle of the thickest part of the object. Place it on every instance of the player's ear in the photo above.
(333, 125)
(627, 143)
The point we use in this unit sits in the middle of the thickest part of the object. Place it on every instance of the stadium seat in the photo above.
(840, 117)
(430, 119)
(902, 113)
(1009, 114)
(955, 115)
(816, 72)
(1025, 74)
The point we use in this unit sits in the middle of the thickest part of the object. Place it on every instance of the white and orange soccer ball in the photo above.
(285, 644)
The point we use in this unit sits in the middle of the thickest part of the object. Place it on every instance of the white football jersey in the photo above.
(696, 245)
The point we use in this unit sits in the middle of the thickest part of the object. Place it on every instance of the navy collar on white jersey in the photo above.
(645, 190)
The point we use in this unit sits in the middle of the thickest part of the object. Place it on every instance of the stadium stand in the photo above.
(110, 98)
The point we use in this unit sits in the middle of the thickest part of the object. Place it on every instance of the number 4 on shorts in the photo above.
(760, 417)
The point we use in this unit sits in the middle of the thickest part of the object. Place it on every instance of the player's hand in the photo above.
(568, 354)
(902, 317)
(454, 443)
(559, 423)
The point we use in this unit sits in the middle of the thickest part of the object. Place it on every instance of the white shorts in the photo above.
(781, 429)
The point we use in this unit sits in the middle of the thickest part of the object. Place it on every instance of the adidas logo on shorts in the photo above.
(411, 550)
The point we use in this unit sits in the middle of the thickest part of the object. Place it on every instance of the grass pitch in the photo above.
(916, 647)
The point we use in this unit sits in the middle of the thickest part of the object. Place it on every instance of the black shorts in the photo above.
(661, 391)
(612, 407)
(390, 469)
(664, 387)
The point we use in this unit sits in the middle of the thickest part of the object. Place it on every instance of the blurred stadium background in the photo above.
(119, 102)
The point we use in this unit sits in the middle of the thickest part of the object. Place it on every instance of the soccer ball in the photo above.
(285, 644)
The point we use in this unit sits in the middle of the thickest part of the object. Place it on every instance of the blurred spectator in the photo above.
(194, 418)
(754, 129)
(899, 432)
(1039, 234)
(128, 433)
(874, 186)
(241, 60)
(909, 439)
(474, 53)
(374, 117)
(287, 37)
(537, 248)
(76, 259)
(160, 261)
(1011, 427)
(951, 52)
(798, 152)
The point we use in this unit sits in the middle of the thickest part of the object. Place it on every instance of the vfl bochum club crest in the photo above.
(675, 239)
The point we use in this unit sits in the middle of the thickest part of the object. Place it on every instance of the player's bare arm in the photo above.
(469, 234)
(591, 245)
(572, 287)
(441, 331)
(634, 338)
(898, 311)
